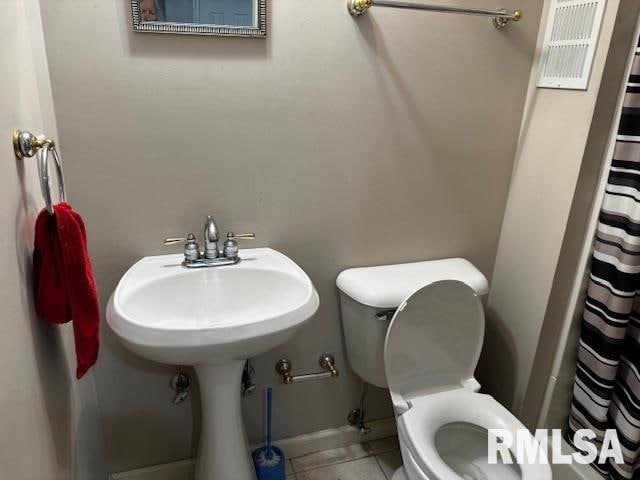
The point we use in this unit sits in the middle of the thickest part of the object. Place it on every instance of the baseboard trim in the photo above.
(292, 447)
(180, 470)
(335, 438)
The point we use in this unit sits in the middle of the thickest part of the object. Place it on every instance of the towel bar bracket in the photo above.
(26, 144)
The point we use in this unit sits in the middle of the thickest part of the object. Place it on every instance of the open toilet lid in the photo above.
(434, 339)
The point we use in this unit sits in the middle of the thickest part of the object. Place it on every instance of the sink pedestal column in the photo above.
(223, 453)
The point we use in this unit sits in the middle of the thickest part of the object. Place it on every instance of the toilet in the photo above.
(417, 329)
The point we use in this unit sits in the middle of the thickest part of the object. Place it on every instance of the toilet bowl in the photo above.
(431, 349)
(444, 436)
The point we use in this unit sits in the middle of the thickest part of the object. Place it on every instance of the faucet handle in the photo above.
(191, 247)
(231, 245)
(191, 238)
(175, 241)
(242, 236)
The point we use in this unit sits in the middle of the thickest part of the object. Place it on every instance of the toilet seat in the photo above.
(431, 351)
(434, 340)
(429, 413)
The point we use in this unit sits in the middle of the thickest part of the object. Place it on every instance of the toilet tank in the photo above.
(369, 297)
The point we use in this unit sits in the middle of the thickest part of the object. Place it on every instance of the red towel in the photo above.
(65, 287)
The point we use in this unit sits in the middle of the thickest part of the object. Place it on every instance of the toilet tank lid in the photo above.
(388, 286)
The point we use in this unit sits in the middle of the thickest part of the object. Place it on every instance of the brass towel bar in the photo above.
(326, 361)
(500, 17)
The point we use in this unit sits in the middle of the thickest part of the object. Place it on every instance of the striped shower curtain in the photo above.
(606, 392)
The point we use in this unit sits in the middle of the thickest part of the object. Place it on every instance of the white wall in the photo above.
(49, 422)
(339, 142)
(563, 320)
(555, 139)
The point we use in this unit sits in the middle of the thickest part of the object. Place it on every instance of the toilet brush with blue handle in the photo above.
(269, 460)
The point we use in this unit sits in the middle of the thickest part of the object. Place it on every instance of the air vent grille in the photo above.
(570, 43)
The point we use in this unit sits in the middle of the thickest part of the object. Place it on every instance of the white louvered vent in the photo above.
(570, 43)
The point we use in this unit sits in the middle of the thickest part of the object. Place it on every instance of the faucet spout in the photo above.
(211, 239)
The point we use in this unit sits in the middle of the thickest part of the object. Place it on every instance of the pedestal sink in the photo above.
(213, 318)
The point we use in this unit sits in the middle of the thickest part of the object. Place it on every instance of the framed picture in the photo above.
(231, 18)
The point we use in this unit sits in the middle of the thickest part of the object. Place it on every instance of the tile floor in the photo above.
(376, 460)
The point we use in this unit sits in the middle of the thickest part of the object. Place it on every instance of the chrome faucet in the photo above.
(212, 255)
(211, 238)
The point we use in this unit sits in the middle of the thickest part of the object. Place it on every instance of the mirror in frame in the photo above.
(231, 18)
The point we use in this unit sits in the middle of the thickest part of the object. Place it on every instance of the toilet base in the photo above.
(399, 474)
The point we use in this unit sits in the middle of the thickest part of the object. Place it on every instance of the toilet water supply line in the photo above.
(357, 415)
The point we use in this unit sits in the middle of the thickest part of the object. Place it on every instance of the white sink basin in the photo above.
(213, 318)
(171, 314)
